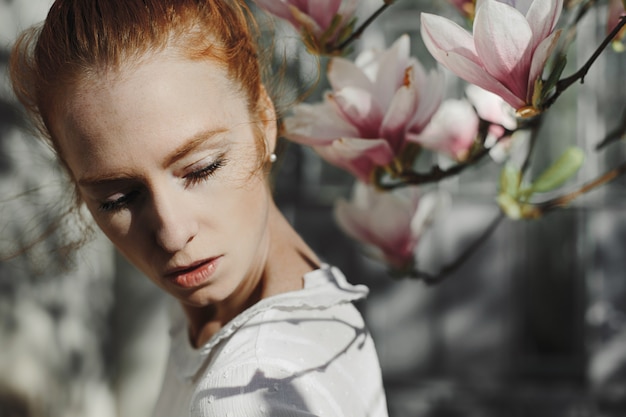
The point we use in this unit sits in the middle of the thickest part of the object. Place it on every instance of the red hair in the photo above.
(82, 38)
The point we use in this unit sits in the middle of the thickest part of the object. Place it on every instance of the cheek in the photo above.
(248, 209)
(116, 228)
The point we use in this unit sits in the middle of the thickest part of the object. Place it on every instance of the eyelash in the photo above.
(119, 204)
(193, 178)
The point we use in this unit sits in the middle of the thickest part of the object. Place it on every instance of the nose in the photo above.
(174, 225)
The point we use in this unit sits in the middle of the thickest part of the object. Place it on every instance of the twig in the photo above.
(432, 279)
(437, 174)
(614, 135)
(359, 31)
(565, 83)
(570, 30)
(406, 178)
(582, 11)
(564, 200)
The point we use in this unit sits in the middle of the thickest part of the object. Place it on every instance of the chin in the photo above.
(204, 297)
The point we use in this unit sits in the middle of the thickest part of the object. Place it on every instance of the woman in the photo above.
(158, 113)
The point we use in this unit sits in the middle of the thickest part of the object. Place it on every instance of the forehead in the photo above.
(145, 109)
(159, 86)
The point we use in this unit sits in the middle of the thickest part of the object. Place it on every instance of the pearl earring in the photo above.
(273, 158)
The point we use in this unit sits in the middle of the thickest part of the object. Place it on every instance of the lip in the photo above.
(195, 274)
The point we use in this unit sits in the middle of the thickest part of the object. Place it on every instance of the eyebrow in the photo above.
(185, 149)
(191, 144)
(103, 179)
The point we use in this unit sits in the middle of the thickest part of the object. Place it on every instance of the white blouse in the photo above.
(301, 353)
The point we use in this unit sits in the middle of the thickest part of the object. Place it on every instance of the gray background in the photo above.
(532, 325)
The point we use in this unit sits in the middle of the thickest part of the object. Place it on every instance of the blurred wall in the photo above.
(81, 333)
(532, 325)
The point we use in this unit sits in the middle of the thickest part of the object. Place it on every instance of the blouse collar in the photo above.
(323, 288)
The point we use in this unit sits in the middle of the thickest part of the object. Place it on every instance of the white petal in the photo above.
(542, 18)
(522, 5)
(441, 35)
(399, 114)
(503, 38)
(385, 222)
(304, 20)
(316, 124)
(323, 11)
(393, 63)
(357, 156)
(391, 214)
(351, 221)
(429, 205)
(475, 74)
(368, 62)
(359, 108)
(542, 53)
(491, 107)
(343, 73)
(452, 129)
(377, 150)
(347, 7)
(430, 93)
(361, 196)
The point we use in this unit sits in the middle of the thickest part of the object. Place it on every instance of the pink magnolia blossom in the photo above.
(617, 9)
(509, 47)
(390, 224)
(454, 128)
(314, 18)
(375, 103)
(494, 109)
(451, 131)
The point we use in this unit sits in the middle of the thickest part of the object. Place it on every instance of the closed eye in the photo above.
(119, 203)
(202, 174)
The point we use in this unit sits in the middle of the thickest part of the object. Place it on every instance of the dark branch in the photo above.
(565, 83)
(432, 279)
(359, 31)
(615, 135)
(564, 200)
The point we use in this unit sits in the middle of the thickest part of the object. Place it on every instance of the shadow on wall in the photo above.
(66, 349)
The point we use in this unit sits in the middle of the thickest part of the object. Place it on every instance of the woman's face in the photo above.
(166, 157)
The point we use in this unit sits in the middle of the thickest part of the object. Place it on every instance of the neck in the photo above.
(286, 260)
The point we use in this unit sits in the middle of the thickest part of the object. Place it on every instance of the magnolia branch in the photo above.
(359, 31)
(565, 83)
(407, 177)
(436, 173)
(564, 200)
(615, 135)
(573, 25)
(432, 279)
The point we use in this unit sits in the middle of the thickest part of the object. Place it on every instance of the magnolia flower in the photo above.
(452, 130)
(375, 103)
(320, 21)
(492, 108)
(495, 110)
(388, 223)
(617, 9)
(507, 52)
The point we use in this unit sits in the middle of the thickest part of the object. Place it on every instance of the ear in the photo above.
(268, 121)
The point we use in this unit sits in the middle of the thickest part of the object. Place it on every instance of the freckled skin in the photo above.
(163, 213)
